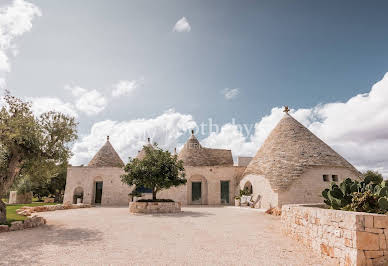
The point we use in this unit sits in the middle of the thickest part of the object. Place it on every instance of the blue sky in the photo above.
(274, 53)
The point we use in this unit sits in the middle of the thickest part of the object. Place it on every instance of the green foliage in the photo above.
(24, 186)
(158, 170)
(30, 146)
(370, 194)
(244, 192)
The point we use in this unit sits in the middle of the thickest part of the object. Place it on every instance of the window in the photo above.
(334, 178)
(326, 178)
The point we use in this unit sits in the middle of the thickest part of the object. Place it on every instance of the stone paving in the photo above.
(197, 236)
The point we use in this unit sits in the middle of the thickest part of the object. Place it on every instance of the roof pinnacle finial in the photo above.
(149, 140)
(107, 138)
(192, 132)
(286, 109)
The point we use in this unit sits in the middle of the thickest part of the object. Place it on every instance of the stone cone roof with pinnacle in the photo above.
(289, 150)
(106, 157)
(141, 154)
(193, 154)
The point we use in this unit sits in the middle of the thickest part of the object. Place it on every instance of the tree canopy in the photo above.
(30, 145)
(158, 170)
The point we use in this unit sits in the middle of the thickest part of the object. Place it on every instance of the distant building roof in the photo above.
(193, 154)
(142, 153)
(243, 160)
(289, 150)
(106, 157)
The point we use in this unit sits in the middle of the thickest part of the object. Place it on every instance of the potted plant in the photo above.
(237, 201)
(134, 194)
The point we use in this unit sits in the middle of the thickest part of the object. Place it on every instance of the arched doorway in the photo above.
(78, 194)
(197, 190)
(248, 188)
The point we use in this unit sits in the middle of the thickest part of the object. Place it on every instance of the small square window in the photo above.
(334, 178)
(326, 178)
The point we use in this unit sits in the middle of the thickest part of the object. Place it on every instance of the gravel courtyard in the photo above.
(197, 236)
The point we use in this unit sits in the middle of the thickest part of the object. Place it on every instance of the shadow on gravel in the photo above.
(27, 246)
(180, 214)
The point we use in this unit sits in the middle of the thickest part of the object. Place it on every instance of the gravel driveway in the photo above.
(197, 236)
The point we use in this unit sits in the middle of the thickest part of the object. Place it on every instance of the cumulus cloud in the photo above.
(357, 129)
(128, 137)
(2, 83)
(230, 94)
(41, 105)
(91, 102)
(15, 20)
(182, 25)
(125, 87)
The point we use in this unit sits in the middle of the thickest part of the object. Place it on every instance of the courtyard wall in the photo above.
(353, 238)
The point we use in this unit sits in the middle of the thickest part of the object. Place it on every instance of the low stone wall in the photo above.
(28, 210)
(18, 198)
(30, 222)
(154, 207)
(354, 238)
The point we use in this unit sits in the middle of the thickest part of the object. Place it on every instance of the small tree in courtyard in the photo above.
(158, 170)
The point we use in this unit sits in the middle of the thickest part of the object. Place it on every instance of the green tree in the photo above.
(158, 170)
(30, 144)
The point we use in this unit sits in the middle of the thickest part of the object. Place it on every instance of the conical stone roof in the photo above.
(142, 153)
(106, 157)
(289, 150)
(193, 154)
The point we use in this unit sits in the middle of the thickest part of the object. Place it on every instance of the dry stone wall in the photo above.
(353, 238)
(30, 222)
(154, 207)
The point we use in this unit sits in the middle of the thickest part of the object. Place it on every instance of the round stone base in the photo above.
(154, 207)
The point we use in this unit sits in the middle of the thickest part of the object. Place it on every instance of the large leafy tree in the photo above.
(30, 144)
(158, 170)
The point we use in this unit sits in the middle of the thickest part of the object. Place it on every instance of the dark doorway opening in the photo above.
(98, 196)
(196, 192)
(224, 192)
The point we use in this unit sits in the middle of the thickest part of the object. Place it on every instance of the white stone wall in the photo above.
(261, 188)
(114, 192)
(353, 238)
(308, 188)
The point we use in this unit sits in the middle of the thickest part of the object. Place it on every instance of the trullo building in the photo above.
(292, 166)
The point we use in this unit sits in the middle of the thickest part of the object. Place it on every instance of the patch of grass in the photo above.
(12, 216)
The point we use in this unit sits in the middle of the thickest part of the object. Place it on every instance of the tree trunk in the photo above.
(154, 194)
(3, 212)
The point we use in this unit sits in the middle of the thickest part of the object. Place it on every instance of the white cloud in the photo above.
(357, 129)
(182, 25)
(128, 137)
(91, 102)
(230, 94)
(15, 20)
(125, 87)
(2, 83)
(44, 104)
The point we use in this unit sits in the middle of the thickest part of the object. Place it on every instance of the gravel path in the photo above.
(197, 236)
